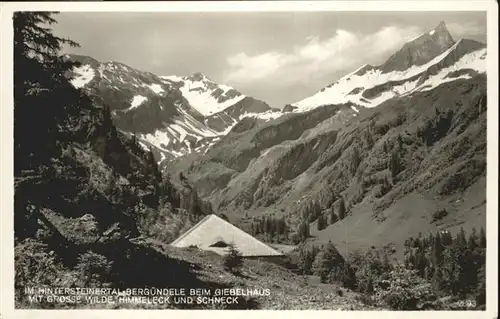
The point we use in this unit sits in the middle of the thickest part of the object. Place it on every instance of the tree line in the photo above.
(435, 266)
(271, 229)
(312, 212)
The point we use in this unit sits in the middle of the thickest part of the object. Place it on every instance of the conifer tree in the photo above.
(302, 260)
(480, 291)
(408, 257)
(233, 260)
(167, 191)
(420, 262)
(437, 279)
(355, 161)
(437, 251)
(343, 274)
(369, 287)
(482, 238)
(446, 238)
(306, 259)
(461, 238)
(472, 242)
(333, 217)
(342, 209)
(133, 142)
(400, 142)
(326, 260)
(303, 230)
(107, 122)
(369, 138)
(44, 99)
(386, 265)
(317, 209)
(394, 164)
(321, 222)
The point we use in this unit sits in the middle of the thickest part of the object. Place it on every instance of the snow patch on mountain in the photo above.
(471, 61)
(84, 74)
(194, 126)
(160, 139)
(269, 115)
(101, 69)
(156, 88)
(181, 132)
(204, 102)
(173, 78)
(266, 116)
(204, 95)
(137, 100)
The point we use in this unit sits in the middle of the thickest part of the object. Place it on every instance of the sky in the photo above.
(277, 57)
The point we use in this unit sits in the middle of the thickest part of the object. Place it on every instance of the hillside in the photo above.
(244, 173)
(417, 152)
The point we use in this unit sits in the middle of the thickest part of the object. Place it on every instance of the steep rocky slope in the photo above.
(420, 65)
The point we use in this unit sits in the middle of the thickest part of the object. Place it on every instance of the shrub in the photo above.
(438, 215)
(306, 259)
(232, 261)
(403, 289)
(34, 264)
(344, 275)
(94, 268)
(366, 299)
(480, 294)
(326, 260)
(368, 268)
(37, 266)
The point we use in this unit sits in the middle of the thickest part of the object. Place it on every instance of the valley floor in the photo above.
(288, 291)
(196, 269)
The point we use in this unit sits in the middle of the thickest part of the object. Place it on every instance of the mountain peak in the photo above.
(441, 26)
(421, 49)
(198, 76)
(441, 31)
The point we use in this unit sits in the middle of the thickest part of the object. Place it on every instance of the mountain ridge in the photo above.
(431, 48)
(163, 112)
(201, 111)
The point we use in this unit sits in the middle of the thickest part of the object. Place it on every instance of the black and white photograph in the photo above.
(251, 160)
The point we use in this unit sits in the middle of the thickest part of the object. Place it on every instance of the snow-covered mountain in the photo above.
(174, 115)
(222, 105)
(421, 64)
(204, 95)
(179, 115)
